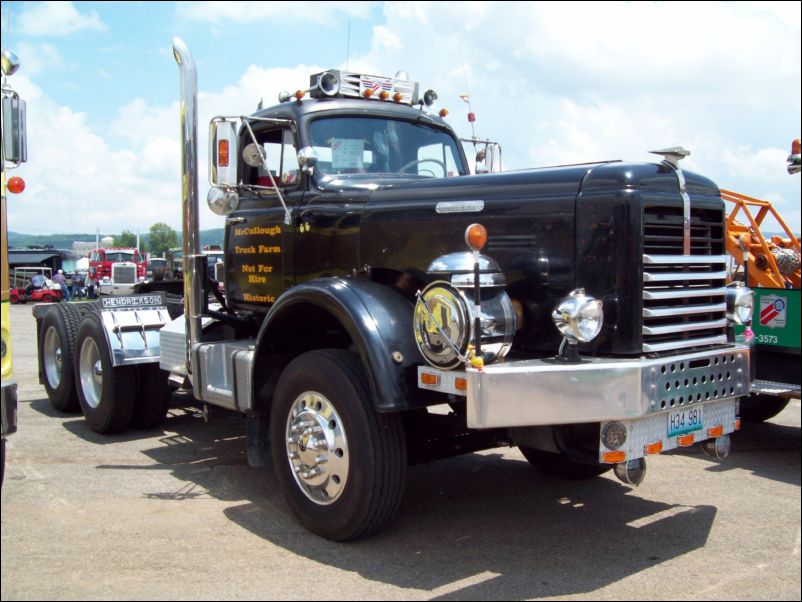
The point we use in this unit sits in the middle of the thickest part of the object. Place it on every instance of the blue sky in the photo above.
(554, 83)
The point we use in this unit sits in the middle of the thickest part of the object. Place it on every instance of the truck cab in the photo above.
(382, 306)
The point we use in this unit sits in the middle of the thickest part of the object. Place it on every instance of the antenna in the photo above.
(467, 96)
(348, 47)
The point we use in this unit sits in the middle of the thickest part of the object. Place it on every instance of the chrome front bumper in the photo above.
(545, 392)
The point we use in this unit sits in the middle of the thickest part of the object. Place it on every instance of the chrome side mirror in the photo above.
(15, 138)
(307, 160)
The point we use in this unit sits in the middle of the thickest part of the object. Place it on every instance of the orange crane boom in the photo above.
(773, 263)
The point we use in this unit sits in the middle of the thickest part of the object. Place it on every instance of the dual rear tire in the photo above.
(78, 374)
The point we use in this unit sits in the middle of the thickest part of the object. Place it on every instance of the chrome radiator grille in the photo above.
(684, 302)
(123, 273)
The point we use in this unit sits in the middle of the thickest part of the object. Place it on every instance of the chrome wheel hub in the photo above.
(52, 358)
(90, 372)
(317, 448)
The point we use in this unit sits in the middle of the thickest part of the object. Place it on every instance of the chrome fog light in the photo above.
(740, 303)
(614, 435)
(579, 317)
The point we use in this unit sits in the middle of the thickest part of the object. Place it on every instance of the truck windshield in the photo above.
(119, 256)
(367, 145)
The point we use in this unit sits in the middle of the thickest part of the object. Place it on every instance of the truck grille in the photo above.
(684, 296)
(122, 273)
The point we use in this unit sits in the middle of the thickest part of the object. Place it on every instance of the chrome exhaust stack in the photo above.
(193, 258)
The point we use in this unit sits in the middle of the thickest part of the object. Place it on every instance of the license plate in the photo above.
(685, 421)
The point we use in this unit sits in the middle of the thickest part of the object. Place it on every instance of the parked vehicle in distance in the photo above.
(102, 260)
(157, 266)
(33, 284)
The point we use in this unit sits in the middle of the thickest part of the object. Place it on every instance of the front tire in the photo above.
(106, 394)
(340, 464)
(759, 408)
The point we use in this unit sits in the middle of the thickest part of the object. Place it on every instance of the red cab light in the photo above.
(16, 184)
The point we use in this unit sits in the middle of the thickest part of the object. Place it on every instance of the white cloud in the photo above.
(554, 84)
(57, 19)
(249, 12)
(128, 175)
(40, 57)
(560, 83)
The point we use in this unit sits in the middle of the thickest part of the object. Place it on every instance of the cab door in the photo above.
(259, 258)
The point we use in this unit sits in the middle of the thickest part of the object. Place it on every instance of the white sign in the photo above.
(347, 153)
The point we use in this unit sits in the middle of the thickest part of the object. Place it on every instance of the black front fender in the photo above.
(376, 318)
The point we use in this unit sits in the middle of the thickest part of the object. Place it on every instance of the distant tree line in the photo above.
(125, 239)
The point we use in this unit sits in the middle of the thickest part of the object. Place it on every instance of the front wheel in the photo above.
(340, 464)
(757, 408)
(557, 465)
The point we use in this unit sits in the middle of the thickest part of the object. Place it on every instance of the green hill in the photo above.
(64, 241)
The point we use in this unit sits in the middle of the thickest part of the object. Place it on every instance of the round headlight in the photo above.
(740, 304)
(579, 317)
(442, 323)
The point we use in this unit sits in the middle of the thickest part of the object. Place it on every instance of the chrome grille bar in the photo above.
(683, 259)
(683, 276)
(685, 327)
(660, 347)
(682, 293)
(683, 311)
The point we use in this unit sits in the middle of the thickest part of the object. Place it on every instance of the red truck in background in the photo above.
(101, 260)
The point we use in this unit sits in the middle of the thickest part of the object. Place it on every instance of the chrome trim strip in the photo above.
(672, 345)
(657, 330)
(684, 310)
(683, 259)
(686, 212)
(683, 276)
(770, 387)
(683, 293)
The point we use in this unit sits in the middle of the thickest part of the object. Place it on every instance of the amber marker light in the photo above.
(368, 93)
(398, 97)
(384, 95)
(795, 147)
(461, 384)
(654, 448)
(685, 440)
(430, 379)
(443, 112)
(222, 153)
(476, 237)
(614, 457)
(16, 184)
(299, 94)
(716, 431)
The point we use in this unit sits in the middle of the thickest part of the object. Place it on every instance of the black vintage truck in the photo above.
(382, 306)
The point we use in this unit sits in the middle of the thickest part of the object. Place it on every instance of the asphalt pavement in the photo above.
(176, 513)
